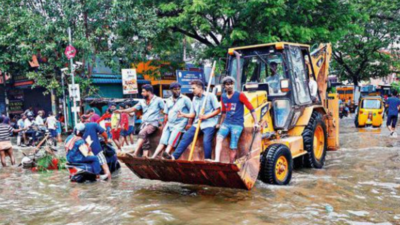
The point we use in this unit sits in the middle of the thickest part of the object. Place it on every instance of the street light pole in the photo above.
(64, 106)
(73, 80)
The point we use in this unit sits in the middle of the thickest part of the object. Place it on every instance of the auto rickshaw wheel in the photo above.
(315, 142)
(276, 165)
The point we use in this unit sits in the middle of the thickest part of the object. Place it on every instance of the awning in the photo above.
(112, 79)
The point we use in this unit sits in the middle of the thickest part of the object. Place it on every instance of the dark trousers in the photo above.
(188, 138)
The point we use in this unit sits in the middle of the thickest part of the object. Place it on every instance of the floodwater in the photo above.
(360, 184)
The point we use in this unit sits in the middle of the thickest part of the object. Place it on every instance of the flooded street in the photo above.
(360, 184)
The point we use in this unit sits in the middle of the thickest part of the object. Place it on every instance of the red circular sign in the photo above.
(70, 52)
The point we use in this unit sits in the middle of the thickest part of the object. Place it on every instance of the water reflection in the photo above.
(360, 184)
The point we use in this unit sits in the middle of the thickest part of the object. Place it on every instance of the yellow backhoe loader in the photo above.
(296, 127)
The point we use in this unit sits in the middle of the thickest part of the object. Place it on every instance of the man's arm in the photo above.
(223, 115)
(214, 104)
(250, 107)
(130, 110)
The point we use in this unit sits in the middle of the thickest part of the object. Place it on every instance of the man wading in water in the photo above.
(393, 105)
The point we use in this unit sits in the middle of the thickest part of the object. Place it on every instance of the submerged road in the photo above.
(360, 184)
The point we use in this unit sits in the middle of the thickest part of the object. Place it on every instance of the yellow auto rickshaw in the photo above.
(370, 112)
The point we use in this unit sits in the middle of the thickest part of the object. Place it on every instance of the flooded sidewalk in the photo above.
(360, 184)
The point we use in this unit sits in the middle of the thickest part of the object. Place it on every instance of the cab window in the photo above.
(371, 104)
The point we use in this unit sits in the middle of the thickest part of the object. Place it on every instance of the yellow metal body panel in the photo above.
(332, 121)
(266, 45)
(377, 114)
(294, 143)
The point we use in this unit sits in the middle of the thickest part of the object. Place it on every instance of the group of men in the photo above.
(182, 116)
(27, 120)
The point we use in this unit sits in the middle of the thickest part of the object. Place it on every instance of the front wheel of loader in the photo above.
(315, 142)
(276, 165)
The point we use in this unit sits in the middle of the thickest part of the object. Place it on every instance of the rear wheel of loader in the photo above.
(315, 142)
(276, 165)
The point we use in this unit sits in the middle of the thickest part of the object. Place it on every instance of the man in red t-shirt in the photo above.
(232, 118)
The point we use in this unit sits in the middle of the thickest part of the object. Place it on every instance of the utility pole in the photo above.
(64, 105)
(73, 80)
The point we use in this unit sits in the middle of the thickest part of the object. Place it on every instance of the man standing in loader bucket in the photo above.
(173, 125)
(151, 106)
(208, 120)
(232, 118)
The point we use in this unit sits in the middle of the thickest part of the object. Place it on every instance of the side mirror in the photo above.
(285, 85)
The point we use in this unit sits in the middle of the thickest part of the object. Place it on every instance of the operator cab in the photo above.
(280, 69)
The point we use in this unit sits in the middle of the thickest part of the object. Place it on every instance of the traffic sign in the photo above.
(70, 51)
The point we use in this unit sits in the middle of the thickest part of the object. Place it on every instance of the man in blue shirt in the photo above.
(393, 105)
(208, 120)
(152, 106)
(92, 130)
(173, 125)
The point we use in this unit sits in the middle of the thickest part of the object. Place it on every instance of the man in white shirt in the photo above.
(39, 119)
(312, 84)
(51, 123)
(30, 132)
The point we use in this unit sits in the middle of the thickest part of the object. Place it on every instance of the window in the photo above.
(281, 112)
(371, 104)
(261, 69)
(299, 76)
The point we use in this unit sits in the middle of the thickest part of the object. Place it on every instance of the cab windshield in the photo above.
(268, 69)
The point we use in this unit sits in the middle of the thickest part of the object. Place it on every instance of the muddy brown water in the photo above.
(360, 184)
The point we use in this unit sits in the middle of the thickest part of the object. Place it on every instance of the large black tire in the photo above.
(310, 159)
(269, 159)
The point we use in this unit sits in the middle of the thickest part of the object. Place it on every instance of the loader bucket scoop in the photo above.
(241, 175)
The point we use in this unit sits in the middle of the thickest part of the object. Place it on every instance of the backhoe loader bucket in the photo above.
(242, 175)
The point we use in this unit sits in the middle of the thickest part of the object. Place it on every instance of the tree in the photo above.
(117, 32)
(218, 25)
(362, 53)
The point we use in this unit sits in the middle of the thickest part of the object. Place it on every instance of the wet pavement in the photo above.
(360, 184)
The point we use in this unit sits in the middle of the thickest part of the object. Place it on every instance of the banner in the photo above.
(129, 81)
(16, 106)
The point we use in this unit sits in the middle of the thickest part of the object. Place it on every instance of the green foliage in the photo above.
(43, 163)
(362, 54)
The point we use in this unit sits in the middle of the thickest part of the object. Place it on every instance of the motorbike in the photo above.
(342, 111)
(83, 172)
(40, 133)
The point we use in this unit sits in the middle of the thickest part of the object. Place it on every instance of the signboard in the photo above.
(185, 77)
(168, 76)
(70, 51)
(74, 92)
(75, 109)
(129, 81)
(16, 106)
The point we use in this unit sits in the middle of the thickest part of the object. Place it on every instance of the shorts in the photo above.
(116, 133)
(131, 130)
(5, 145)
(391, 120)
(170, 136)
(146, 130)
(102, 158)
(234, 130)
(53, 133)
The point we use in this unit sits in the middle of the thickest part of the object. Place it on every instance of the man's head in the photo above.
(85, 118)
(175, 89)
(121, 106)
(228, 83)
(112, 107)
(40, 113)
(197, 87)
(23, 116)
(128, 105)
(147, 91)
(394, 93)
(273, 66)
(79, 129)
(50, 113)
